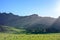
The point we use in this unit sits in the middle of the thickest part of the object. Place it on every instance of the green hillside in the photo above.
(7, 29)
(53, 36)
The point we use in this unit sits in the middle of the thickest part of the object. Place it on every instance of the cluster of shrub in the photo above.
(40, 28)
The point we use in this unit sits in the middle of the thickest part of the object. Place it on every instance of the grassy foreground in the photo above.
(5, 36)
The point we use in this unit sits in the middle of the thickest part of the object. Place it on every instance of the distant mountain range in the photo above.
(9, 19)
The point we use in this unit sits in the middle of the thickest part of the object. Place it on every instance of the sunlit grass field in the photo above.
(7, 36)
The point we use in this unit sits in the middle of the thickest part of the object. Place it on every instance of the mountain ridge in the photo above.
(46, 24)
(11, 19)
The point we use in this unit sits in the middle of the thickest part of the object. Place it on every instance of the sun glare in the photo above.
(58, 7)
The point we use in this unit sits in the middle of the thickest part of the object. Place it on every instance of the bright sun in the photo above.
(57, 9)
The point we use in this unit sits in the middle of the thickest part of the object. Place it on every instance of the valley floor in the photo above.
(52, 36)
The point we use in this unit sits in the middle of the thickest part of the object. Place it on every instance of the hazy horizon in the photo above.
(48, 8)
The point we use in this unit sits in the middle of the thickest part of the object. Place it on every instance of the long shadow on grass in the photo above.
(24, 32)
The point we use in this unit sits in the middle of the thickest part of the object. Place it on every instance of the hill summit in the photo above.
(47, 24)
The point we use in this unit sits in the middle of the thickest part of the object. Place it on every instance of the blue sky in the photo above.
(28, 7)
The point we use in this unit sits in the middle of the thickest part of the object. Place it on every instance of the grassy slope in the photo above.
(4, 36)
(12, 30)
(10, 36)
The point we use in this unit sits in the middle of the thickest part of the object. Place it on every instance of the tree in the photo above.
(2, 29)
(36, 28)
